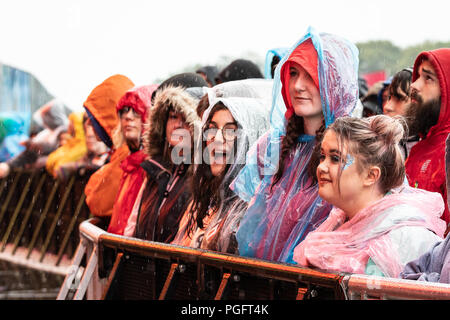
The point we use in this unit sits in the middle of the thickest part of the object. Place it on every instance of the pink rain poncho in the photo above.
(396, 229)
(278, 219)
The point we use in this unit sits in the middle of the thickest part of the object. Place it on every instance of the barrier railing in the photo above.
(128, 268)
(39, 218)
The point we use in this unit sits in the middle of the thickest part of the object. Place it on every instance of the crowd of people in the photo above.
(302, 164)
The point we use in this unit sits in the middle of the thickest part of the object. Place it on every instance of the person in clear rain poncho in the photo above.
(378, 223)
(237, 115)
(315, 82)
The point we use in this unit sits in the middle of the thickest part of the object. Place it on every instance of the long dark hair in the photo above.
(210, 194)
(295, 128)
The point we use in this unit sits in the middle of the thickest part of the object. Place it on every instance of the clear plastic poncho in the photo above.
(396, 229)
(277, 220)
(249, 103)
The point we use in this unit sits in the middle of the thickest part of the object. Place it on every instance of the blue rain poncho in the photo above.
(13, 131)
(277, 220)
(277, 52)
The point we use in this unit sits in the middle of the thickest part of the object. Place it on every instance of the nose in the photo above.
(416, 85)
(322, 167)
(219, 136)
(299, 84)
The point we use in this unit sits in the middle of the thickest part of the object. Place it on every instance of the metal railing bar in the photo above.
(88, 272)
(70, 229)
(16, 211)
(42, 218)
(28, 214)
(56, 218)
(169, 281)
(79, 254)
(223, 286)
(112, 274)
(9, 195)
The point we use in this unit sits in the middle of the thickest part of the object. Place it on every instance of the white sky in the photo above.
(72, 46)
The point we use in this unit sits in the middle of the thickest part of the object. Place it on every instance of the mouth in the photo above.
(323, 181)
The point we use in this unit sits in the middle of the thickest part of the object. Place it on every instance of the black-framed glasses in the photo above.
(125, 110)
(229, 133)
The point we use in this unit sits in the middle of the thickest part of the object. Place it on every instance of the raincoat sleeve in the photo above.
(102, 187)
(433, 266)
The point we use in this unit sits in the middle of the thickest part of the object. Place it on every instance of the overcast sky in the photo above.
(72, 46)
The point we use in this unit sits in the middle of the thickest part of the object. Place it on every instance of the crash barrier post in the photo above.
(131, 268)
(39, 218)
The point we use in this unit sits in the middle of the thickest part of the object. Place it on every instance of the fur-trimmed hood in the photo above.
(180, 101)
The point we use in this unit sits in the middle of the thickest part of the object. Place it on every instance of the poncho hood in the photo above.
(101, 105)
(170, 97)
(138, 98)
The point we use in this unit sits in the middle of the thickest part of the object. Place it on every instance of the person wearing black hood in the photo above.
(208, 73)
(238, 70)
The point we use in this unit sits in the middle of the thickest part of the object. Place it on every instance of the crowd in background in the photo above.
(302, 163)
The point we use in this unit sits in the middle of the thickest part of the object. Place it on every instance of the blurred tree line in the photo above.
(384, 55)
(374, 55)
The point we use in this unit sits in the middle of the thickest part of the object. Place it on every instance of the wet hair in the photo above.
(400, 85)
(202, 105)
(374, 141)
(295, 128)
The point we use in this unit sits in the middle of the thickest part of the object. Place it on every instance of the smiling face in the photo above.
(339, 181)
(220, 135)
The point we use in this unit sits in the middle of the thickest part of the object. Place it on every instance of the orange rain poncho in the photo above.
(103, 185)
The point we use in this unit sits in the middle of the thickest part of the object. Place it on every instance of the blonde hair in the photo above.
(374, 141)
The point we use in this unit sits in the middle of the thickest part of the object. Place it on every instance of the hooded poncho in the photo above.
(165, 193)
(133, 174)
(73, 150)
(392, 231)
(249, 103)
(278, 219)
(425, 165)
(12, 133)
(277, 52)
(102, 187)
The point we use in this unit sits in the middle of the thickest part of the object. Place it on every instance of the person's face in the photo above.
(304, 95)
(339, 191)
(131, 124)
(177, 129)
(220, 136)
(397, 105)
(426, 87)
(93, 145)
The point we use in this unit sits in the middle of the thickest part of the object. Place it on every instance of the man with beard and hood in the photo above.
(429, 117)
(315, 83)
(100, 106)
(133, 109)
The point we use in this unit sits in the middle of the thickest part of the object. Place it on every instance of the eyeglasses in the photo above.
(229, 133)
(125, 110)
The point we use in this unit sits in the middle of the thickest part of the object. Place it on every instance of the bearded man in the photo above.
(429, 117)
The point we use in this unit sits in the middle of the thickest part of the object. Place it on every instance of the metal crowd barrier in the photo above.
(39, 219)
(127, 268)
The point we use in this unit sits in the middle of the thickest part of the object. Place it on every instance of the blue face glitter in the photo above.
(349, 161)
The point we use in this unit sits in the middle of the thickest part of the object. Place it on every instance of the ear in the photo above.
(372, 176)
